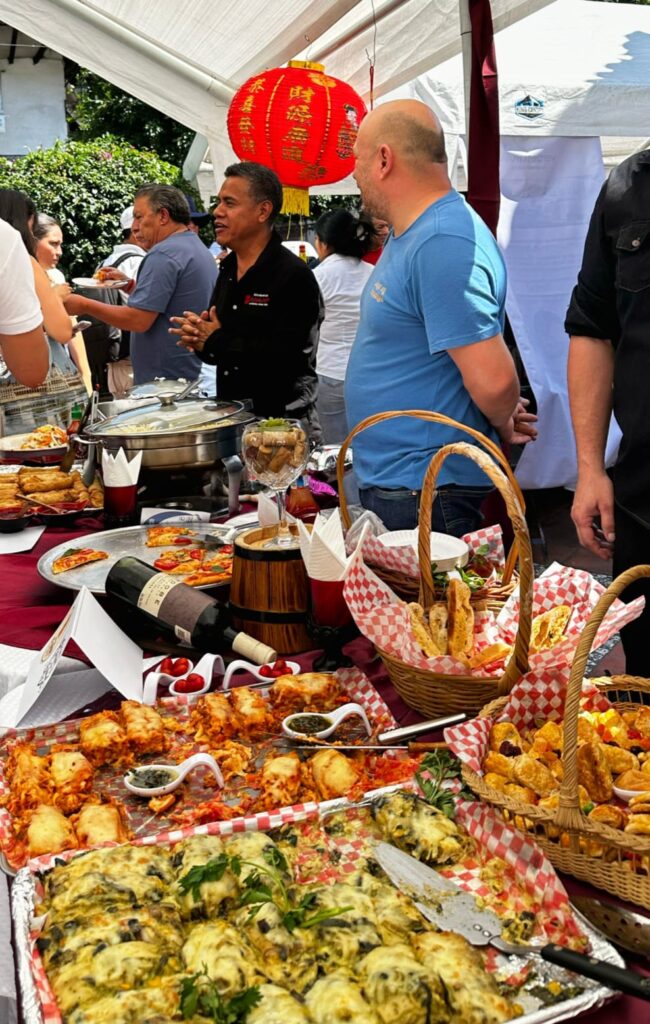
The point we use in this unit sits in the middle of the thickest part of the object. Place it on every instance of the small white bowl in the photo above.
(207, 666)
(627, 794)
(195, 694)
(447, 552)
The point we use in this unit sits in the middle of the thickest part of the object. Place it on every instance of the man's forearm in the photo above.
(590, 375)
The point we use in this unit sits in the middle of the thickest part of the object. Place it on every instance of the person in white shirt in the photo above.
(341, 242)
(23, 343)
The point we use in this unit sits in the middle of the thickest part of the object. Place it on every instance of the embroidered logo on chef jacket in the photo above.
(530, 107)
(378, 291)
(257, 299)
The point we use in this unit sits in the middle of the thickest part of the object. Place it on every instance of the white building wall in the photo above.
(32, 97)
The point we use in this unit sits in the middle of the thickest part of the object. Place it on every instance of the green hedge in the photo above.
(85, 186)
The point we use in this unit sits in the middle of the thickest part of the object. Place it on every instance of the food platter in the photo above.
(11, 449)
(130, 540)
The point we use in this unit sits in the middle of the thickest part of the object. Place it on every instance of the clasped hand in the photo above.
(194, 329)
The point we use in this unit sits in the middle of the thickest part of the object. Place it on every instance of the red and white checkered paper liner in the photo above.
(385, 620)
(405, 559)
(356, 685)
(532, 699)
(529, 866)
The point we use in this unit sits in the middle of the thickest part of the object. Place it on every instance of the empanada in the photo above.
(619, 760)
(502, 731)
(533, 774)
(495, 780)
(523, 793)
(607, 814)
(639, 798)
(639, 824)
(594, 773)
(495, 762)
(551, 733)
(549, 627)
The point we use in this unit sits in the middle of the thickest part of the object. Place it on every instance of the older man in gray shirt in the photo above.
(177, 274)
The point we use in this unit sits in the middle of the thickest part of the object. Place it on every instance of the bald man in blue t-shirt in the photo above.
(430, 333)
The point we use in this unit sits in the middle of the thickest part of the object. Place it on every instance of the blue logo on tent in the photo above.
(530, 108)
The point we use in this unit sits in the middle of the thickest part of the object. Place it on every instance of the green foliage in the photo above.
(95, 107)
(85, 186)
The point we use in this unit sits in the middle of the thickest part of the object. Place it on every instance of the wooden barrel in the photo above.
(269, 594)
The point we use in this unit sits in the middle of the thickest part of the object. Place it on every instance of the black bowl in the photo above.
(13, 520)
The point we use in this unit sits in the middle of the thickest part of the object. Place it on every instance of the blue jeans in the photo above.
(456, 510)
(330, 405)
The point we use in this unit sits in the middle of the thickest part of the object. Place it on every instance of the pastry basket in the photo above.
(434, 694)
(609, 858)
(496, 592)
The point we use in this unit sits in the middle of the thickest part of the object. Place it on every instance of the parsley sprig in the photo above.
(200, 995)
(264, 884)
(441, 766)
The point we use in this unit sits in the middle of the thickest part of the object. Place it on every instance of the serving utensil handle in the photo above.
(608, 974)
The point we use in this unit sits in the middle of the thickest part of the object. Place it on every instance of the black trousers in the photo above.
(632, 547)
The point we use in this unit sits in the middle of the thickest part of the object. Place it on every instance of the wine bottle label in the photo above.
(183, 635)
(175, 604)
(253, 650)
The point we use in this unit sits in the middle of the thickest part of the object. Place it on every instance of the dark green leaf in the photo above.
(276, 858)
(213, 871)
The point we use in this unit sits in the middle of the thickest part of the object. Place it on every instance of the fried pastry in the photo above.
(551, 733)
(420, 631)
(607, 814)
(502, 731)
(619, 760)
(43, 480)
(642, 722)
(639, 798)
(586, 731)
(523, 793)
(461, 620)
(495, 780)
(643, 807)
(549, 627)
(594, 772)
(633, 780)
(639, 824)
(490, 655)
(495, 762)
(534, 775)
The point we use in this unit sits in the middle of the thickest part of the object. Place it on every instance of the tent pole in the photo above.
(466, 51)
(218, 87)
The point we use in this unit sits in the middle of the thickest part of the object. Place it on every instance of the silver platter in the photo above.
(130, 540)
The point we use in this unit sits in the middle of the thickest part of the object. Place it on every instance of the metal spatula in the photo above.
(623, 927)
(453, 909)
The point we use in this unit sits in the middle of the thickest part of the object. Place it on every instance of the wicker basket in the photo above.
(496, 593)
(608, 858)
(434, 694)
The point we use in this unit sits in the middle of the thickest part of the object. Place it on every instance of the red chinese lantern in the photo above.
(300, 122)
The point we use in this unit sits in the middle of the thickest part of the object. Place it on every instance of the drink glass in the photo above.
(120, 505)
(276, 452)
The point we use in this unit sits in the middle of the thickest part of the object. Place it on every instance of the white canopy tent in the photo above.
(568, 75)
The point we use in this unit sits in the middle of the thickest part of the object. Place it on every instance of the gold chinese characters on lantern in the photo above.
(300, 122)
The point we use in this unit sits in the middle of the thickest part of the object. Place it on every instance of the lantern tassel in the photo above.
(295, 200)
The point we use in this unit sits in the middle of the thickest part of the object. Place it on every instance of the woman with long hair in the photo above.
(51, 402)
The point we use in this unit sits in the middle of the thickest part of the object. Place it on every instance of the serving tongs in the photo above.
(452, 909)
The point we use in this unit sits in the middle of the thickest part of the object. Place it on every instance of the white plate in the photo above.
(90, 282)
(11, 447)
(447, 552)
(627, 794)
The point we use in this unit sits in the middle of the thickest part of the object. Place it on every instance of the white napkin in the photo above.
(323, 550)
(268, 512)
(13, 543)
(117, 471)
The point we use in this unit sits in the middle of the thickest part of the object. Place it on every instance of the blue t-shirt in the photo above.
(178, 274)
(441, 284)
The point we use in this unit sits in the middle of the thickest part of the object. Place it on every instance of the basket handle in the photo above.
(518, 662)
(569, 814)
(432, 417)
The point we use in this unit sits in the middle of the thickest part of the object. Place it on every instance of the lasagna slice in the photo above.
(471, 991)
(221, 951)
(280, 781)
(102, 739)
(49, 831)
(213, 718)
(318, 691)
(336, 999)
(72, 778)
(333, 773)
(399, 989)
(277, 1006)
(100, 823)
(29, 779)
(145, 729)
(251, 710)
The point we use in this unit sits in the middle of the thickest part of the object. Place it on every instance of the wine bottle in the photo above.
(190, 614)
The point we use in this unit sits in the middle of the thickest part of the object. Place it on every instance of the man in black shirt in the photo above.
(609, 369)
(261, 331)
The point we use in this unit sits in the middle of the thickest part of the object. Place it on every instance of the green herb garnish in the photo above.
(441, 766)
(213, 871)
(200, 995)
(274, 423)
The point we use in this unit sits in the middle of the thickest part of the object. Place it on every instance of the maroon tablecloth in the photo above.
(31, 609)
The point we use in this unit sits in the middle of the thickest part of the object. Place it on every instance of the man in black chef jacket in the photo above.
(261, 330)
